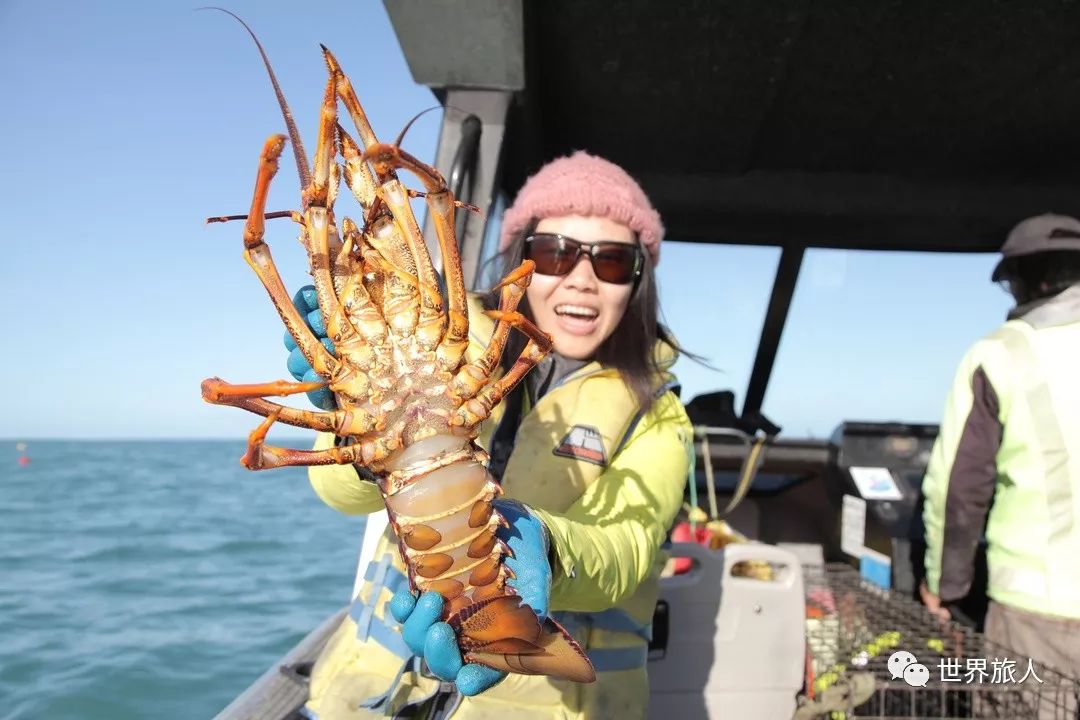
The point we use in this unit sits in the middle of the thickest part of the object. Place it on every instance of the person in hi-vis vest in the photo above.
(592, 451)
(1007, 459)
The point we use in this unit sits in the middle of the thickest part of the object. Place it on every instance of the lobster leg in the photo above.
(440, 203)
(429, 329)
(477, 409)
(340, 263)
(268, 457)
(250, 398)
(218, 391)
(260, 456)
(361, 181)
(319, 220)
(318, 191)
(400, 288)
(398, 303)
(391, 192)
(394, 197)
(457, 203)
(359, 305)
(472, 376)
(358, 175)
(352, 105)
(257, 254)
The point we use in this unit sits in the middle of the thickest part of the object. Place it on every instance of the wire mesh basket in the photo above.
(856, 630)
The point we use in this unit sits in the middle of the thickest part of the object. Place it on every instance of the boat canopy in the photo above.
(877, 125)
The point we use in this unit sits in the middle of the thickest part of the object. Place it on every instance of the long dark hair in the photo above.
(631, 347)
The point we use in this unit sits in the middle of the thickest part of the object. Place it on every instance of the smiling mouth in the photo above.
(578, 312)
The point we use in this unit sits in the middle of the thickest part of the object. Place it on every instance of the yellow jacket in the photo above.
(607, 508)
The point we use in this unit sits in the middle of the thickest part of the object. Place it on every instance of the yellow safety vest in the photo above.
(1033, 527)
(587, 427)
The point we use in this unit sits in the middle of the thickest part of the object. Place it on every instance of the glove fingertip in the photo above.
(440, 632)
(426, 613)
(297, 364)
(431, 602)
(306, 299)
(290, 341)
(317, 323)
(401, 605)
(475, 679)
(323, 399)
(441, 652)
(311, 376)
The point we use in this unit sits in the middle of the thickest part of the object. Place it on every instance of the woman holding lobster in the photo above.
(592, 453)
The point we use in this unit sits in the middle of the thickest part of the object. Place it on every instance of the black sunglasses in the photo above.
(613, 262)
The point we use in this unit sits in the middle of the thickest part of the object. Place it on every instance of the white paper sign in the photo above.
(853, 526)
(875, 483)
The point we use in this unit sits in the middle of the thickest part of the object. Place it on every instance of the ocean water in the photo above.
(156, 579)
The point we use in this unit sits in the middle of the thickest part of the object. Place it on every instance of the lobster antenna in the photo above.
(401, 135)
(294, 135)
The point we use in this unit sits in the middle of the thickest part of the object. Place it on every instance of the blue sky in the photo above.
(127, 124)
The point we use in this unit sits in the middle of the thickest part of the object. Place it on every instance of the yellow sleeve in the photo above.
(935, 482)
(340, 487)
(606, 543)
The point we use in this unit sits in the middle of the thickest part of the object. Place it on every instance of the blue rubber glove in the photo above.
(435, 641)
(307, 302)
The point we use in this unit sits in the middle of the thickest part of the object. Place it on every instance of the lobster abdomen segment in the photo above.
(439, 500)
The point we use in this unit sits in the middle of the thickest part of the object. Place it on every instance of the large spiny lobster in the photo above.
(409, 405)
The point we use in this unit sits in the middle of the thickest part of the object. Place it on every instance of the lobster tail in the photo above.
(506, 635)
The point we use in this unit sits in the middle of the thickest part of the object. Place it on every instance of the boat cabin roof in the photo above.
(877, 125)
(871, 125)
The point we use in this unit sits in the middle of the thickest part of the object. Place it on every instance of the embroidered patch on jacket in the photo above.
(583, 442)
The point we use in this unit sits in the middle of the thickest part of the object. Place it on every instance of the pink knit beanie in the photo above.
(583, 184)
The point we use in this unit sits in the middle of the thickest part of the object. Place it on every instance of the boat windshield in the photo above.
(871, 335)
